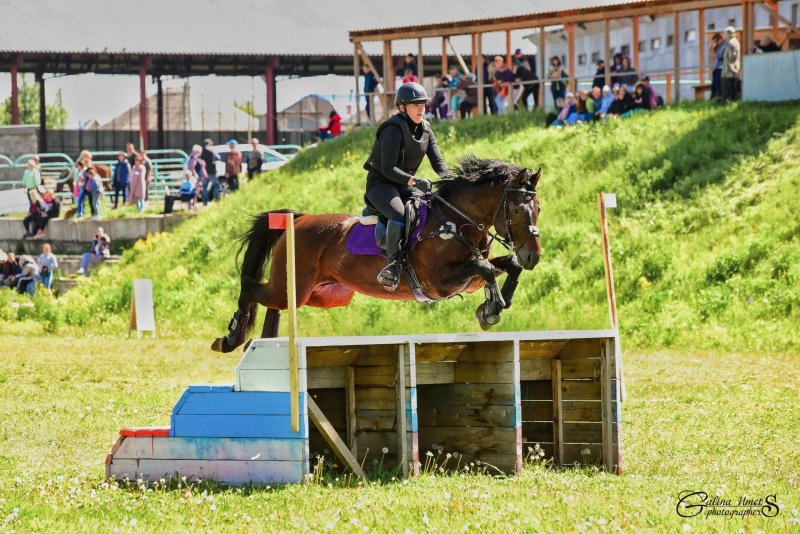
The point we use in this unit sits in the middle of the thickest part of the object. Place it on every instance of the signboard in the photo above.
(14, 201)
(142, 314)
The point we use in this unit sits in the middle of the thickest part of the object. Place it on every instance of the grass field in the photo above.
(726, 424)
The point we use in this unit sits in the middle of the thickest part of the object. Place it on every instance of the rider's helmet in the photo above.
(410, 93)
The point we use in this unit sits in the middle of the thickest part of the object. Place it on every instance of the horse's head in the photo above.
(519, 217)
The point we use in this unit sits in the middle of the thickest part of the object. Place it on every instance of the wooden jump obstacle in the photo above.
(383, 399)
(487, 396)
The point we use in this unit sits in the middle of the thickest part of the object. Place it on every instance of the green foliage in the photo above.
(704, 242)
(28, 100)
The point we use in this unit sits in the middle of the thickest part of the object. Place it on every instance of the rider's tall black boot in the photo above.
(389, 277)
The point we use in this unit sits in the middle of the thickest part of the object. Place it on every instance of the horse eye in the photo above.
(515, 211)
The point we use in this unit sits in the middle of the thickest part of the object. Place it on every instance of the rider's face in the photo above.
(415, 112)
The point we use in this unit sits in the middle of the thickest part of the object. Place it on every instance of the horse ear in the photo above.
(535, 177)
(520, 179)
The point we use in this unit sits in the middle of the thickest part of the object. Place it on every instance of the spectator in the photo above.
(334, 127)
(622, 102)
(439, 104)
(29, 272)
(558, 76)
(409, 76)
(650, 96)
(51, 209)
(370, 85)
(470, 100)
(455, 95)
(211, 184)
(489, 100)
(148, 177)
(616, 67)
(639, 98)
(31, 179)
(595, 101)
(600, 75)
(254, 160)
(581, 112)
(120, 179)
(131, 150)
(33, 221)
(99, 250)
(233, 165)
(525, 73)
(94, 189)
(606, 100)
(188, 190)
(197, 168)
(138, 183)
(10, 270)
(627, 74)
(767, 44)
(731, 65)
(568, 110)
(48, 263)
(553, 115)
(718, 45)
(503, 78)
(409, 63)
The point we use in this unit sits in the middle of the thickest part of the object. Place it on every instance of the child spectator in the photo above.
(650, 97)
(606, 100)
(628, 74)
(718, 45)
(99, 250)
(33, 222)
(622, 102)
(409, 76)
(439, 104)
(255, 159)
(470, 99)
(120, 180)
(10, 270)
(558, 78)
(188, 191)
(334, 127)
(138, 183)
(553, 116)
(48, 263)
(94, 188)
(51, 209)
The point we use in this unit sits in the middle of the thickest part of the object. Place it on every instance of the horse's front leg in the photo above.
(513, 269)
(490, 312)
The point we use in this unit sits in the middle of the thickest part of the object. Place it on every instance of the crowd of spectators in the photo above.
(25, 272)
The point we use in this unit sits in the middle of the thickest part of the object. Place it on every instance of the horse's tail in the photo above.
(260, 241)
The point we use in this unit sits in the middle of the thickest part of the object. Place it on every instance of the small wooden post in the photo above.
(607, 52)
(635, 45)
(474, 63)
(332, 438)
(444, 55)
(676, 53)
(558, 417)
(542, 66)
(291, 311)
(702, 45)
(420, 61)
(402, 423)
(350, 406)
(356, 75)
(508, 48)
(571, 69)
(479, 68)
(605, 404)
(388, 79)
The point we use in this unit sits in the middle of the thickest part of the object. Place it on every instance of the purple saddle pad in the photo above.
(361, 239)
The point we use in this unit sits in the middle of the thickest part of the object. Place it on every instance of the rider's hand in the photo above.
(422, 184)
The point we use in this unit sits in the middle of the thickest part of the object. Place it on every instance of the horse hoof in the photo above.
(221, 345)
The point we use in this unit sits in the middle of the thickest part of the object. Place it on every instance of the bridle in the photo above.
(507, 240)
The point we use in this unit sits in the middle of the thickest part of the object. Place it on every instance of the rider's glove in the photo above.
(422, 184)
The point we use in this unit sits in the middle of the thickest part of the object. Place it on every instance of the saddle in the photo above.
(372, 217)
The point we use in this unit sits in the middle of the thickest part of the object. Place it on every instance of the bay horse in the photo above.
(478, 195)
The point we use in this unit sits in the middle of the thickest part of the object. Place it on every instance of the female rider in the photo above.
(401, 144)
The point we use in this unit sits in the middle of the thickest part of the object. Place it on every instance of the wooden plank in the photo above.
(540, 349)
(438, 352)
(539, 432)
(558, 428)
(411, 366)
(436, 373)
(291, 321)
(400, 407)
(578, 349)
(588, 368)
(268, 380)
(580, 389)
(536, 390)
(375, 420)
(210, 388)
(375, 398)
(483, 372)
(474, 440)
(238, 403)
(380, 376)
(331, 356)
(228, 471)
(539, 410)
(333, 439)
(244, 449)
(145, 431)
(237, 426)
(488, 351)
(350, 409)
(326, 377)
(606, 396)
(583, 432)
(472, 416)
(537, 369)
(377, 355)
(468, 394)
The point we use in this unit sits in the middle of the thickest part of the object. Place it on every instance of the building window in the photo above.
(642, 46)
(625, 50)
(655, 43)
(595, 57)
(581, 59)
(563, 59)
(690, 36)
(732, 22)
(712, 27)
(795, 18)
(670, 40)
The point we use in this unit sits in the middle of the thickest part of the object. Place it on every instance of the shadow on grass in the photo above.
(706, 154)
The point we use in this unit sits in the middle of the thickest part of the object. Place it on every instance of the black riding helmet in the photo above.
(410, 93)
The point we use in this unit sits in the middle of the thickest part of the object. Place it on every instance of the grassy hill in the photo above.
(705, 240)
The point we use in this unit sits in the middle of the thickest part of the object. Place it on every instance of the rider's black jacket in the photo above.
(400, 146)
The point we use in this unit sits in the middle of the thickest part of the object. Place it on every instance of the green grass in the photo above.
(722, 423)
(705, 240)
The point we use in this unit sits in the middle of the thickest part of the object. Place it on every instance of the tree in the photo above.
(29, 107)
(248, 108)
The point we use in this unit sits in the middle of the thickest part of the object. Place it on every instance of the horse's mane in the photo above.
(473, 170)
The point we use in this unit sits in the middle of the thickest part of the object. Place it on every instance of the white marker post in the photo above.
(609, 200)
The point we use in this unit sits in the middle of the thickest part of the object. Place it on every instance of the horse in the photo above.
(66, 179)
(476, 196)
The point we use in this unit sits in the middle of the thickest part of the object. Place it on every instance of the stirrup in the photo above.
(389, 277)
